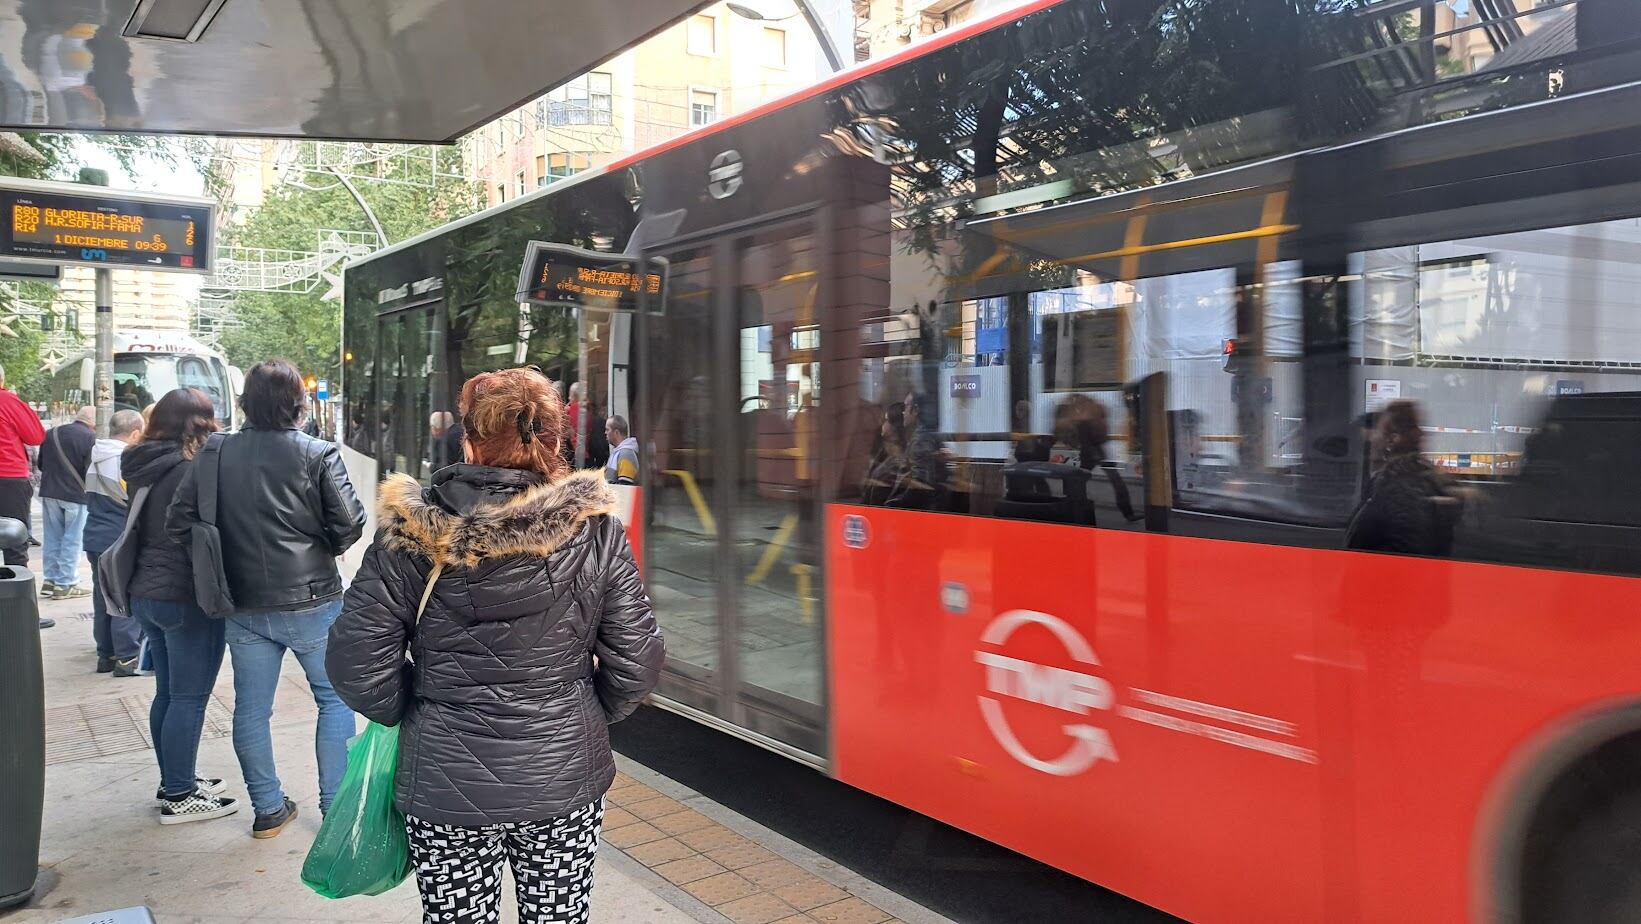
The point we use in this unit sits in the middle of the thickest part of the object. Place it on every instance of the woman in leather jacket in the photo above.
(286, 510)
(511, 587)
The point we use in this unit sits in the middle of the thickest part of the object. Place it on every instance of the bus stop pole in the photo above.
(104, 387)
(105, 350)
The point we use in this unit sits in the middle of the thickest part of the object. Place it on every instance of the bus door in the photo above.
(410, 354)
(731, 373)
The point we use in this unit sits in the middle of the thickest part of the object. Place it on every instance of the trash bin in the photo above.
(23, 723)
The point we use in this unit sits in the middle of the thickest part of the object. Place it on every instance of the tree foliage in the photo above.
(305, 327)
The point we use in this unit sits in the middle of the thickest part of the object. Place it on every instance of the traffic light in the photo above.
(311, 382)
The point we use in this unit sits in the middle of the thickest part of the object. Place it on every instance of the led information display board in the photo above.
(73, 223)
(558, 274)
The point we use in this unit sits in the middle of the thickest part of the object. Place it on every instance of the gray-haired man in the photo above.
(118, 637)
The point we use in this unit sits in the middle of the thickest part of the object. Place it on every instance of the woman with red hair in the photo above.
(513, 590)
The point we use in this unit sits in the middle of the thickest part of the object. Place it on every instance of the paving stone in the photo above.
(689, 869)
(808, 893)
(662, 851)
(712, 837)
(849, 911)
(762, 908)
(683, 822)
(721, 889)
(632, 835)
(773, 873)
(738, 856)
(651, 809)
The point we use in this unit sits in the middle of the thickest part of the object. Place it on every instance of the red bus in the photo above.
(1190, 443)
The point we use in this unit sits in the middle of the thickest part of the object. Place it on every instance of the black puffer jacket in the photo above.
(286, 510)
(162, 571)
(505, 711)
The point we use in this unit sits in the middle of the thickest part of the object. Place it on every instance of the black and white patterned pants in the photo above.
(458, 869)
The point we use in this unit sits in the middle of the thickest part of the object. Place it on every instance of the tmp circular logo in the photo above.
(724, 175)
(857, 533)
(1071, 696)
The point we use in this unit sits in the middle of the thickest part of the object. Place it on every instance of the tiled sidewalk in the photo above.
(670, 856)
(740, 870)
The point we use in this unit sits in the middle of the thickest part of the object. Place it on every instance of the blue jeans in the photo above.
(258, 642)
(118, 637)
(186, 646)
(65, 534)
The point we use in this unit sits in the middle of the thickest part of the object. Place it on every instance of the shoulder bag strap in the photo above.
(427, 592)
(208, 475)
(57, 444)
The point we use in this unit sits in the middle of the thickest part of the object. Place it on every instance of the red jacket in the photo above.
(19, 427)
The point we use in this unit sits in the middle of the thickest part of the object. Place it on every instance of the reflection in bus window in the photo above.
(1522, 352)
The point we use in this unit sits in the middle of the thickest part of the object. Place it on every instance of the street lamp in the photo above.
(821, 35)
(747, 12)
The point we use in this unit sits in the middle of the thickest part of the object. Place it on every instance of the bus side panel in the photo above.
(1411, 682)
(1138, 710)
(364, 472)
(629, 505)
(1447, 670)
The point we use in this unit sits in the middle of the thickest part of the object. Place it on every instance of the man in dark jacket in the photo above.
(64, 457)
(118, 637)
(286, 510)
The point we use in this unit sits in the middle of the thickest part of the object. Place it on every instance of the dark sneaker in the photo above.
(47, 623)
(105, 665)
(271, 824)
(72, 593)
(49, 590)
(201, 784)
(196, 806)
(125, 668)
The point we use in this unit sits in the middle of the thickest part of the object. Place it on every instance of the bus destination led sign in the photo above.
(557, 274)
(49, 225)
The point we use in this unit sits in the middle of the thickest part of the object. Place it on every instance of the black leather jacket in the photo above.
(286, 510)
(506, 710)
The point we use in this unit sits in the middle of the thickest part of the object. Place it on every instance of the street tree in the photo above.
(407, 198)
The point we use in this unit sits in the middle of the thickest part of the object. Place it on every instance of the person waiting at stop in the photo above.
(623, 465)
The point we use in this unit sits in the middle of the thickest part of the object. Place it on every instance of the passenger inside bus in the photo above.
(444, 445)
(128, 395)
(887, 468)
(927, 461)
(1411, 506)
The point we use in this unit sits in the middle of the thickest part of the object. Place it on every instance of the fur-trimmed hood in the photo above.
(537, 520)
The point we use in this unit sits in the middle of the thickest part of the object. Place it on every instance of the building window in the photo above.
(586, 100)
(541, 170)
(703, 35)
(703, 107)
(501, 193)
(774, 47)
(563, 166)
(521, 188)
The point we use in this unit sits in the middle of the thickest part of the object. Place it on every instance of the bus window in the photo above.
(134, 383)
(193, 372)
(1519, 356)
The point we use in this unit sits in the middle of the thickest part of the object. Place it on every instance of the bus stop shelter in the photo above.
(361, 70)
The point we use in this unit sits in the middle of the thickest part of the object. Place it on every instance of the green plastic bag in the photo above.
(362, 847)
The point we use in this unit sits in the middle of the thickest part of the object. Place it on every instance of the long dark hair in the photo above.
(185, 416)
